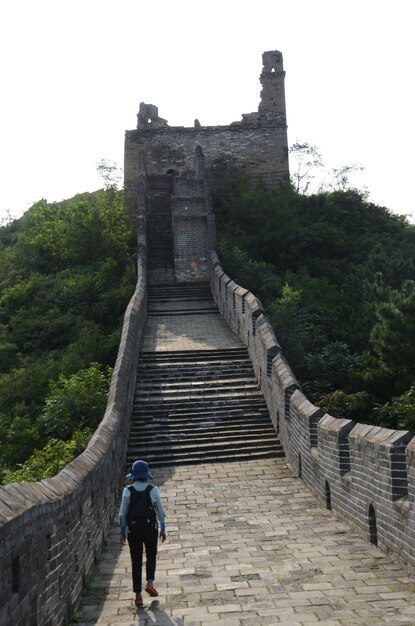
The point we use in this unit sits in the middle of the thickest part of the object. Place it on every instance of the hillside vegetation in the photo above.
(334, 272)
(67, 271)
(336, 276)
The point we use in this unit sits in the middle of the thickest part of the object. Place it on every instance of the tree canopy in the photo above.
(335, 273)
(67, 271)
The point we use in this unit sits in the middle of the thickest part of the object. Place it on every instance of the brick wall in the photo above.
(260, 151)
(52, 531)
(257, 144)
(365, 474)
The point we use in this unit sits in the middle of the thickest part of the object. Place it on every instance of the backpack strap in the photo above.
(132, 490)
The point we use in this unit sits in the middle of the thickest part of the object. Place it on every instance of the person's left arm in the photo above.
(161, 515)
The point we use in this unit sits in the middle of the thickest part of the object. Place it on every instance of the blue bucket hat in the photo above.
(139, 470)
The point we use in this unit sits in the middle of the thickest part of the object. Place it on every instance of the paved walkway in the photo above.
(188, 332)
(247, 543)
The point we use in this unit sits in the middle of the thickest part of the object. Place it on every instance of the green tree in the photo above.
(49, 460)
(67, 271)
(355, 406)
(257, 276)
(77, 400)
(399, 412)
(393, 336)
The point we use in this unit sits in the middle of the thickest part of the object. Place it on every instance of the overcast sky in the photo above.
(74, 72)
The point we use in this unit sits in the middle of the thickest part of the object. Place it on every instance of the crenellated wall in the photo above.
(364, 473)
(52, 531)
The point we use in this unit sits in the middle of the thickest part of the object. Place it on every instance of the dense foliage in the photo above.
(334, 272)
(336, 276)
(67, 271)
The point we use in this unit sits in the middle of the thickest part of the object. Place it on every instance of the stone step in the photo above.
(187, 376)
(208, 362)
(223, 382)
(230, 457)
(156, 457)
(172, 298)
(175, 312)
(179, 438)
(172, 437)
(227, 354)
(213, 394)
(180, 377)
(200, 360)
(198, 407)
(194, 390)
(188, 426)
(184, 288)
(202, 415)
(203, 400)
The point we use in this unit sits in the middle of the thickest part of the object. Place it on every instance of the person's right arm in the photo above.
(122, 516)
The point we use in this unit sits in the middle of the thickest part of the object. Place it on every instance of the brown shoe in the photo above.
(139, 601)
(151, 590)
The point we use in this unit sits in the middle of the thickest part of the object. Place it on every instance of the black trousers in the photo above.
(148, 539)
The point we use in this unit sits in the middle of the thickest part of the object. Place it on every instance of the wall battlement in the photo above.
(364, 473)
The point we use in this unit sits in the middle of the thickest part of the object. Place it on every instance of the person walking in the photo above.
(140, 510)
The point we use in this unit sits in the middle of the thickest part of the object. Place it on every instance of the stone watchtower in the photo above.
(170, 170)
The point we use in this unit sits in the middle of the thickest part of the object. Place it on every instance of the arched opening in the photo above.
(373, 532)
(328, 496)
(300, 466)
(273, 70)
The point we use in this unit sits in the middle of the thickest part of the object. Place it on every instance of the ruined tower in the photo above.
(169, 172)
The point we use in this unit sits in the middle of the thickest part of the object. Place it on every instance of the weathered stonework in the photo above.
(170, 171)
(364, 473)
(51, 532)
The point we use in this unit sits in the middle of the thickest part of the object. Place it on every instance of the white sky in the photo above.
(73, 73)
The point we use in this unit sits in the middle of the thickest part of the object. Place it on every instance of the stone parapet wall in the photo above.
(52, 531)
(366, 474)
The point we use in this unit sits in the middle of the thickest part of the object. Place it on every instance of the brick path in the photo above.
(188, 332)
(248, 544)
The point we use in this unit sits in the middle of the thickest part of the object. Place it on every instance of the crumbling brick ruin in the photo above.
(170, 171)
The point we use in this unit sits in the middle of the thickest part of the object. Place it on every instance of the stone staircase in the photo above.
(181, 299)
(197, 406)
